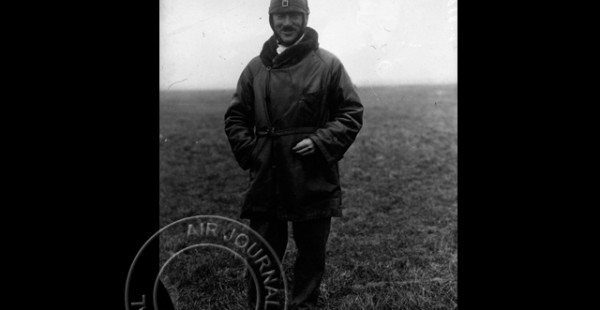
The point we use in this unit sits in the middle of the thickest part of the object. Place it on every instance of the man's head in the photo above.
(288, 19)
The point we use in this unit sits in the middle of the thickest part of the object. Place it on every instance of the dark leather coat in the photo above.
(280, 100)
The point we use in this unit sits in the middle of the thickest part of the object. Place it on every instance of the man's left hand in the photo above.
(304, 147)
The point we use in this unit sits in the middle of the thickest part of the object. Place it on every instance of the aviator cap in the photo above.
(284, 6)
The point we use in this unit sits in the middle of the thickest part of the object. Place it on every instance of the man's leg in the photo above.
(276, 234)
(311, 240)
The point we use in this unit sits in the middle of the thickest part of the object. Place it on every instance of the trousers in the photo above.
(311, 239)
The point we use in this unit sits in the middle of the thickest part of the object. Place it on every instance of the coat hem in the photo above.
(328, 208)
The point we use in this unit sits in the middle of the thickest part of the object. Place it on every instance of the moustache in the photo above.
(288, 28)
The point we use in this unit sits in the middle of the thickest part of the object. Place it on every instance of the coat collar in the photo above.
(292, 55)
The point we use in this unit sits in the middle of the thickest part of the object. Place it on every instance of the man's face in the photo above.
(288, 26)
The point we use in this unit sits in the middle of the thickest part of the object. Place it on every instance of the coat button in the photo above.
(268, 68)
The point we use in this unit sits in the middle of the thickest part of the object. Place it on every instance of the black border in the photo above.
(88, 160)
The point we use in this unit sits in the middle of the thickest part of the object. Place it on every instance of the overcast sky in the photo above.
(207, 43)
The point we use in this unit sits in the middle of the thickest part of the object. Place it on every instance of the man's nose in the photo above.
(287, 20)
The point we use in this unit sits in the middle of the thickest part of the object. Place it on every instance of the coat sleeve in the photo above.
(239, 120)
(346, 117)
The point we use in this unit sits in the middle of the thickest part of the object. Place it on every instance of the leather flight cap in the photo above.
(284, 6)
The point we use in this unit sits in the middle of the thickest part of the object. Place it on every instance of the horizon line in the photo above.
(357, 86)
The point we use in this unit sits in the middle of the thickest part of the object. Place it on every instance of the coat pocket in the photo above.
(311, 99)
(310, 105)
(253, 153)
(255, 158)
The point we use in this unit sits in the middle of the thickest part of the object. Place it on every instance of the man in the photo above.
(294, 114)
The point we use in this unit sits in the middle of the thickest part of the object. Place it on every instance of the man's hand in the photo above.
(304, 147)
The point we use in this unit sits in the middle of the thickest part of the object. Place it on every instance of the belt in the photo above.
(272, 132)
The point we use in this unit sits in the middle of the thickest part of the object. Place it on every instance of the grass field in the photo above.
(395, 247)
